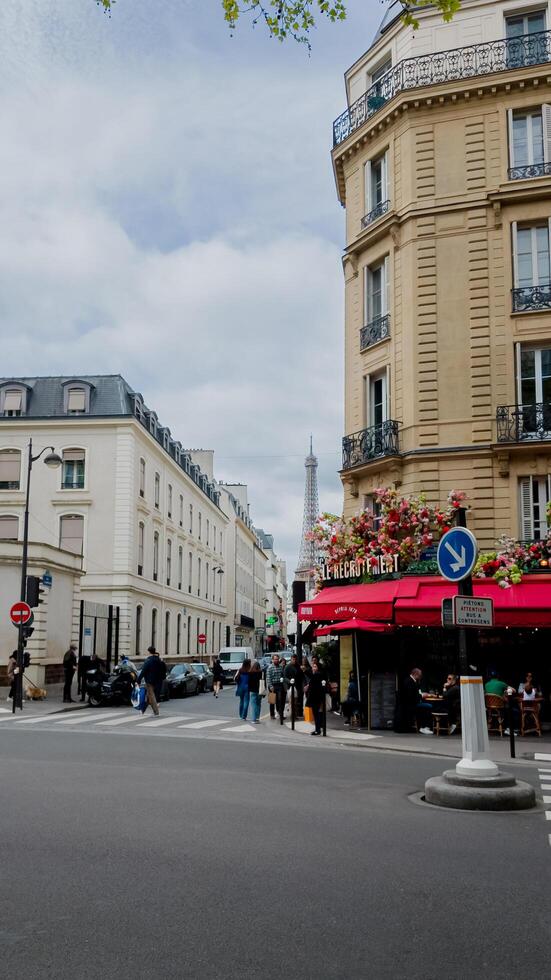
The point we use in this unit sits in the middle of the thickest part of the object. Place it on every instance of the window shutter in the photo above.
(12, 401)
(367, 400)
(518, 371)
(546, 126)
(367, 187)
(10, 466)
(367, 296)
(510, 132)
(526, 514)
(72, 533)
(385, 177)
(385, 298)
(73, 455)
(76, 400)
(9, 528)
(514, 250)
(387, 393)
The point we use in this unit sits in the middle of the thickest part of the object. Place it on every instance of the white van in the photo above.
(232, 658)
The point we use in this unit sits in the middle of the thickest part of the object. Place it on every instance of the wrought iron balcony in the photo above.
(524, 423)
(375, 213)
(533, 170)
(528, 298)
(471, 61)
(372, 333)
(371, 443)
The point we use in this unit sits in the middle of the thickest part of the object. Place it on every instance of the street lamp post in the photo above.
(53, 461)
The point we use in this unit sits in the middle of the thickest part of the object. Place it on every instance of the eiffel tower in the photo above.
(308, 552)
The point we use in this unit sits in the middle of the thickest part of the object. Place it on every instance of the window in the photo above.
(190, 572)
(71, 533)
(534, 495)
(167, 634)
(199, 526)
(153, 627)
(198, 576)
(76, 401)
(13, 401)
(181, 512)
(213, 537)
(178, 634)
(72, 472)
(219, 636)
(155, 556)
(198, 633)
(214, 585)
(376, 187)
(531, 254)
(208, 531)
(168, 560)
(191, 518)
(169, 500)
(373, 505)
(529, 133)
(522, 52)
(141, 532)
(206, 580)
(180, 567)
(221, 542)
(377, 406)
(138, 638)
(157, 490)
(535, 375)
(188, 639)
(142, 477)
(10, 469)
(376, 291)
(9, 527)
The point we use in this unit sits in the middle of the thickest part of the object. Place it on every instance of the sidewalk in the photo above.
(447, 746)
(52, 704)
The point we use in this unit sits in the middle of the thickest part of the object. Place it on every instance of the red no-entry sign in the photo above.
(20, 613)
(202, 638)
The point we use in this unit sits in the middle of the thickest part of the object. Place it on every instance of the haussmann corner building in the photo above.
(442, 161)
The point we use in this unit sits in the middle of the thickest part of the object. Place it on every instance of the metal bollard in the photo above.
(324, 711)
(511, 727)
(292, 704)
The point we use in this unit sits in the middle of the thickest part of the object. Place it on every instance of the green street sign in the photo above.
(271, 620)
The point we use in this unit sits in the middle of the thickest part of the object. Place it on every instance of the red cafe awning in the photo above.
(526, 605)
(375, 601)
(349, 625)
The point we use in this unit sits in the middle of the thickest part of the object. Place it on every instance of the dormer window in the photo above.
(153, 424)
(13, 402)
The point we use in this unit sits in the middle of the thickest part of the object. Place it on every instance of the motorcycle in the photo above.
(114, 688)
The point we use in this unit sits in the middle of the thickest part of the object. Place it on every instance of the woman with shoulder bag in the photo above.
(257, 690)
(242, 689)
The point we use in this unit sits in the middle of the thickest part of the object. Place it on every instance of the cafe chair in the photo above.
(529, 717)
(440, 723)
(495, 713)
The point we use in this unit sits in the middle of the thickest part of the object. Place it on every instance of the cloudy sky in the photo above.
(169, 213)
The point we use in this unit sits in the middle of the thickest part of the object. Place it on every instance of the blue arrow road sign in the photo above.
(456, 555)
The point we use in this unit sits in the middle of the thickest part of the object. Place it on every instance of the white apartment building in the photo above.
(129, 499)
(246, 572)
(276, 595)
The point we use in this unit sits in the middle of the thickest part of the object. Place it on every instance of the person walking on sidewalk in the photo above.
(218, 674)
(315, 697)
(13, 670)
(69, 667)
(293, 672)
(274, 684)
(256, 683)
(153, 673)
(242, 688)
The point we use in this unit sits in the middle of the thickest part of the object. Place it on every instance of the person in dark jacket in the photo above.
(315, 697)
(13, 670)
(218, 674)
(242, 689)
(407, 699)
(351, 704)
(153, 673)
(294, 672)
(69, 667)
(256, 682)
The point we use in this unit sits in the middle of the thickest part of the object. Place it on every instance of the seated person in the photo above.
(351, 705)
(495, 686)
(528, 689)
(407, 699)
(452, 701)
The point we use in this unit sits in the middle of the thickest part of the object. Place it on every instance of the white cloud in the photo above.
(168, 213)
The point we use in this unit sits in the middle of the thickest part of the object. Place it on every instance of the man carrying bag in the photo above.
(276, 689)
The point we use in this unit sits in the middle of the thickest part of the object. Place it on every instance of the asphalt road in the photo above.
(212, 859)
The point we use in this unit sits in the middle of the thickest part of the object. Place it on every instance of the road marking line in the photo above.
(545, 788)
(239, 728)
(119, 721)
(86, 715)
(163, 721)
(544, 770)
(547, 799)
(550, 839)
(548, 814)
(356, 735)
(542, 756)
(204, 724)
(6, 711)
(34, 721)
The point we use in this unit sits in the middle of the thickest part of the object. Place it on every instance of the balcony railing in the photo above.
(375, 213)
(528, 298)
(524, 423)
(533, 170)
(504, 54)
(77, 484)
(371, 443)
(372, 333)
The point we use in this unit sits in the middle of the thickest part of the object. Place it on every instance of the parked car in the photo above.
(232, 658)
(206, 676)
(182, 680)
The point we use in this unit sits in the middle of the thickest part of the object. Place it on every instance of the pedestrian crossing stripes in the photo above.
(91, 719)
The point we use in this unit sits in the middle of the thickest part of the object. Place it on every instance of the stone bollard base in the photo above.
(500, 792)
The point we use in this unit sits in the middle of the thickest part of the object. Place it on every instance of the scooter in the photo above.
(115, 688)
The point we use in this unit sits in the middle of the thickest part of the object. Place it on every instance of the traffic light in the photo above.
(34, 592)
(27, 633)
(26, 659)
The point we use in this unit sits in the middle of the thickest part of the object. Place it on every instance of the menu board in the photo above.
(382, 689)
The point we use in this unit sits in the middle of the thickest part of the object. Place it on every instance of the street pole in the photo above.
(17, 700)
(299, 642)
(465, 587)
